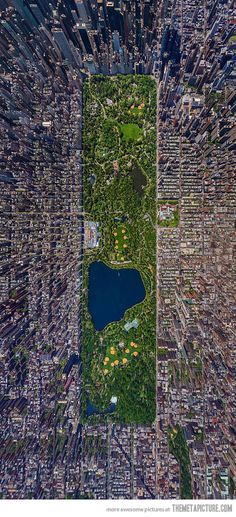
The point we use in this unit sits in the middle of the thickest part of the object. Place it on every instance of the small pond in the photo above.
(139, 179)
(92, 410)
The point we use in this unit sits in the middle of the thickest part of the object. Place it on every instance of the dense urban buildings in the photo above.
(48, 50)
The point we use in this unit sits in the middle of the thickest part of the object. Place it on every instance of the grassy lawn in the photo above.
(121, 243)
(116, 138)
(120, 355)
(130, 131)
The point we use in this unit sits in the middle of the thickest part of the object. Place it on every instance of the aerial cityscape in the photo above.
(118, 233)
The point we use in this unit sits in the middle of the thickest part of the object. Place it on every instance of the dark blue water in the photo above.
(112, 292)
(92, 410)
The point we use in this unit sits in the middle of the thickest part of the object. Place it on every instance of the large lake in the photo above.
(112, 292)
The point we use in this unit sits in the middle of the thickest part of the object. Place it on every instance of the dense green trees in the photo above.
(179, 448)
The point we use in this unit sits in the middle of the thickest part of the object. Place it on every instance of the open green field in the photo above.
(130, 132)
(119, 137)
(120, 253)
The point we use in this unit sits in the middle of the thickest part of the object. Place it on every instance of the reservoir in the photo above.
(112, 292)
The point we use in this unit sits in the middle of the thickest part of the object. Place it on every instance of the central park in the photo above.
(119, 275)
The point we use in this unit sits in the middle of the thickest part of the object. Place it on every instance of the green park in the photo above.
(179, 448)
(119, 193)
